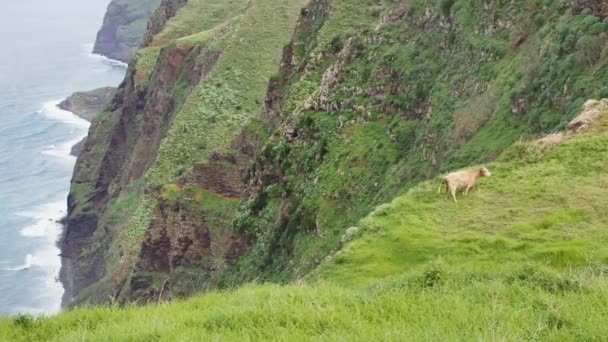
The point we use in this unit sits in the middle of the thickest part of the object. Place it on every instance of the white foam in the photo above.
(51, 110)
(45, 220)
(25, 266)
(81, 126)
(63, 150)
(88, 48)
(46, 227)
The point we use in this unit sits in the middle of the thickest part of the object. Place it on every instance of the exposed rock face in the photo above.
(189, 240)
(125, 152)
(597, 7)
(124, 26)
(87, 104)
(103, 158)
(127, 240)
(593, 110)
(167, 10)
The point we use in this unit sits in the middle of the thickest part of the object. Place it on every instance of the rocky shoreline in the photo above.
(87, 105)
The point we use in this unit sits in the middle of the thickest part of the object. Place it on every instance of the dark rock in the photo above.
(77, 149)
(123, 28)
(89, 103)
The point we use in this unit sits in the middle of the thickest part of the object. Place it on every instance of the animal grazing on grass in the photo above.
(465, 179)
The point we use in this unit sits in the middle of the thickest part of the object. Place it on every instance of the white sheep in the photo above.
(465, 179)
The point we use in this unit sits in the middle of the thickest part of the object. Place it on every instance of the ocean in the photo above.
(45, 56)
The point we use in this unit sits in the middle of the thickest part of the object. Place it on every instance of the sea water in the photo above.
(45, 55)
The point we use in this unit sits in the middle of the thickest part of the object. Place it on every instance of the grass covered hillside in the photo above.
(374, 97)
(249, 135)
(524, 257)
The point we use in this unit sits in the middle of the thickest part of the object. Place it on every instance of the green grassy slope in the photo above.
(524, 257)
(389, 93)
(539, 211)
(219, 106)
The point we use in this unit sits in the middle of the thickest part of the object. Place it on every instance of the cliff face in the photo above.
(123, 27)
(220, 163)
(154, 189)
(87, 105)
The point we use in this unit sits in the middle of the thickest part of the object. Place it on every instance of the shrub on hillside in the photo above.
(589, 49)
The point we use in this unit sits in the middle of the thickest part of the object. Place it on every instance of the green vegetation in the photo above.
(445, 86)
(199, 16)
(524, 257)
(372, 99)
(469, 310)
(232, 93)
(238, 45)
(539, 210)
(197, 198)
(146, 60)
(195, 23)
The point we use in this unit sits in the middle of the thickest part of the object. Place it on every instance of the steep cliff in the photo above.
(123, 27)
(87, 105)
(220, 163)
(186, 95)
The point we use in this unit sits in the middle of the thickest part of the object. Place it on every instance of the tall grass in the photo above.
(465, 309)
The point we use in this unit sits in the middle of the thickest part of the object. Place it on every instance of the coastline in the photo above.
(84, 105)
(104, 58)
(75, 146)
(49, 56)
(45, 228)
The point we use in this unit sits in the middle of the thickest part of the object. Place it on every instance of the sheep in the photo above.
(465, 179)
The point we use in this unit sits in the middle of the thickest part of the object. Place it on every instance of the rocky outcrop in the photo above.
(167, 10)
(593, 110)
(87, 104)
(124, 26)
(191, 242)
(120, 144)
(592, 114)
(97, 178)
